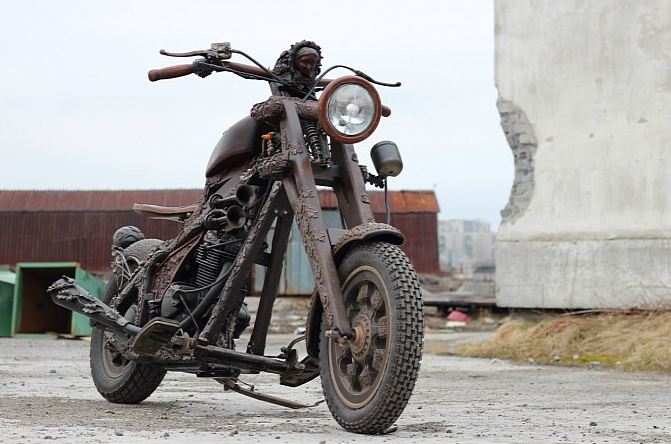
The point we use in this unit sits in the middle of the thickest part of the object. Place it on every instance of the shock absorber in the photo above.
(313, 139)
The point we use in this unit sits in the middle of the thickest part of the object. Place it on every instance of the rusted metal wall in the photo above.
(421, 238)
(41, 226)
(78, 236)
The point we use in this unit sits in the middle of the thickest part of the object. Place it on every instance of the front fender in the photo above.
(341, 241)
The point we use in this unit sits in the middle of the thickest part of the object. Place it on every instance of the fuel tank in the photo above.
(238, 143)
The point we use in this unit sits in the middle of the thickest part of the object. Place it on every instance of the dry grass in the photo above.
(630, 341)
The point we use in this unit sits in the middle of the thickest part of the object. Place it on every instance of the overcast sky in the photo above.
(77, 110)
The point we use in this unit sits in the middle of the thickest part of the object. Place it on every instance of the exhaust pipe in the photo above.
(66, 293)
(247, 195)
(235, 217)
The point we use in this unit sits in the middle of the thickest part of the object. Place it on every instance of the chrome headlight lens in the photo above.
(349, 109)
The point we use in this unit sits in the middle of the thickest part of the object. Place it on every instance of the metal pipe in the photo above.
(219, 355)
(66, 293)
(247, 195)
(209, 298)
(235, 217)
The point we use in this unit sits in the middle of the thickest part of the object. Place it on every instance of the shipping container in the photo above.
(33, 310)
(7, 279)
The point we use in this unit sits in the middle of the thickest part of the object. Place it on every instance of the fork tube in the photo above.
(302, 193)
(350, 190)
(257, 342)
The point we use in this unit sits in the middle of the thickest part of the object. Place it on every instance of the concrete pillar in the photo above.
(585, 103)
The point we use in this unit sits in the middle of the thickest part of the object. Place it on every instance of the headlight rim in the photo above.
(323, 109)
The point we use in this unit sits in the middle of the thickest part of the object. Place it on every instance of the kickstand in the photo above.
(232, 385)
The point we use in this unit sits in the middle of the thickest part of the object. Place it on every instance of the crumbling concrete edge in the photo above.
(522, 141)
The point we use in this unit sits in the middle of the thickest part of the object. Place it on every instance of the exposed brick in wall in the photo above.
(522, 140)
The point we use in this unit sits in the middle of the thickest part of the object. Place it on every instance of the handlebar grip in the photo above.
(170, 72)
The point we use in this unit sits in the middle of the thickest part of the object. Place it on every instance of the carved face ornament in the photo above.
(306, 61)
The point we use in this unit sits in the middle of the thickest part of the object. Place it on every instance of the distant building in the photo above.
(465, 245)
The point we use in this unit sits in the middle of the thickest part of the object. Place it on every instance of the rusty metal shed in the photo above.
(63, 226)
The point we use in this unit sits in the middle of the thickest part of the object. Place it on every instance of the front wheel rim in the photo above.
(357, 367)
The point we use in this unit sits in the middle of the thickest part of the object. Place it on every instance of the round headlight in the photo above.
(349, 109)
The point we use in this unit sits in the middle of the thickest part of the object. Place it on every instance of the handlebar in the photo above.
(172, 72)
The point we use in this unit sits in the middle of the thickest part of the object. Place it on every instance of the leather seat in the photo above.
(177, 214)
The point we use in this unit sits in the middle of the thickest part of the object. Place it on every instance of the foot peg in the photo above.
(157, 333)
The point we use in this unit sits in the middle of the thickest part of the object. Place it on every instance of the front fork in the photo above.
(301, 191)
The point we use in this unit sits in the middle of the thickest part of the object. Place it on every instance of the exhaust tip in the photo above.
(247, 195)
(235, 217)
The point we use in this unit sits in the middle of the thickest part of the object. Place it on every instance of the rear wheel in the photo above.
(368, 382)
(117, 379)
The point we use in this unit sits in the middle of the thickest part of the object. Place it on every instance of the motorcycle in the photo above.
(179, 305)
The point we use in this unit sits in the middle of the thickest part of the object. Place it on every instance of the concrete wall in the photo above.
(585, 100)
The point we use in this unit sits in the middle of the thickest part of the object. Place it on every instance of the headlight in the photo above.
(349, 109)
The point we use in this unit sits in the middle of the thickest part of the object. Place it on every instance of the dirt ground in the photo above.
(46, 393)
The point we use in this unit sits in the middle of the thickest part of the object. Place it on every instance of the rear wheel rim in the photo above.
(357, 367)
(114, 363)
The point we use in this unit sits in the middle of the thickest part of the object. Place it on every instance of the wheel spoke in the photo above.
(378, 359)
(362, 295)
(365, 378)
(353, 371)
(380, 327)
(376, 301)
(344, 356)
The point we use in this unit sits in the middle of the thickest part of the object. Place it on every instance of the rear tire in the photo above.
(368, 382)
(118, 380)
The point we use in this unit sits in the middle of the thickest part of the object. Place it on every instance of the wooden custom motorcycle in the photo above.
(180, 304)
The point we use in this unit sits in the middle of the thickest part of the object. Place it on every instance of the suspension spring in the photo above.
(313, 139)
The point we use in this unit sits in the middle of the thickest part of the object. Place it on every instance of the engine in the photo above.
(217, 251)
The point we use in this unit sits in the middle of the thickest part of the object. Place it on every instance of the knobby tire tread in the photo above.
(144, 378)
(406, 294)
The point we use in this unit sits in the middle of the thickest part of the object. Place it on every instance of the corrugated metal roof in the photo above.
(96, 200)
(123, 200)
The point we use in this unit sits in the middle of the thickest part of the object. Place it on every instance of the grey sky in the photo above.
(77, 110)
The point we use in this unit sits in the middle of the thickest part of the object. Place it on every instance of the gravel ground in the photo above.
(46, 393)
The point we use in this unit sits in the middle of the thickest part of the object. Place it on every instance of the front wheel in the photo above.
(367, 382)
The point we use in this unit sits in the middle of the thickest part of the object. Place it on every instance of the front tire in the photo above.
(368, 382)
(117, 379)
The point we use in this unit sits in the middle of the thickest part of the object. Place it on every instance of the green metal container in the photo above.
(34, 312)
(7, 279)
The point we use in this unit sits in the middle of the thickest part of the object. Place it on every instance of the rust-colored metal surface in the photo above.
(166, 272)
(399, 201)
(238, 143)
(71, 236)
(77, 226)
(421, 244)
(121, 200)
(405, 201)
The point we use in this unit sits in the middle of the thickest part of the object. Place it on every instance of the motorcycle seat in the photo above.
(177, 214)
